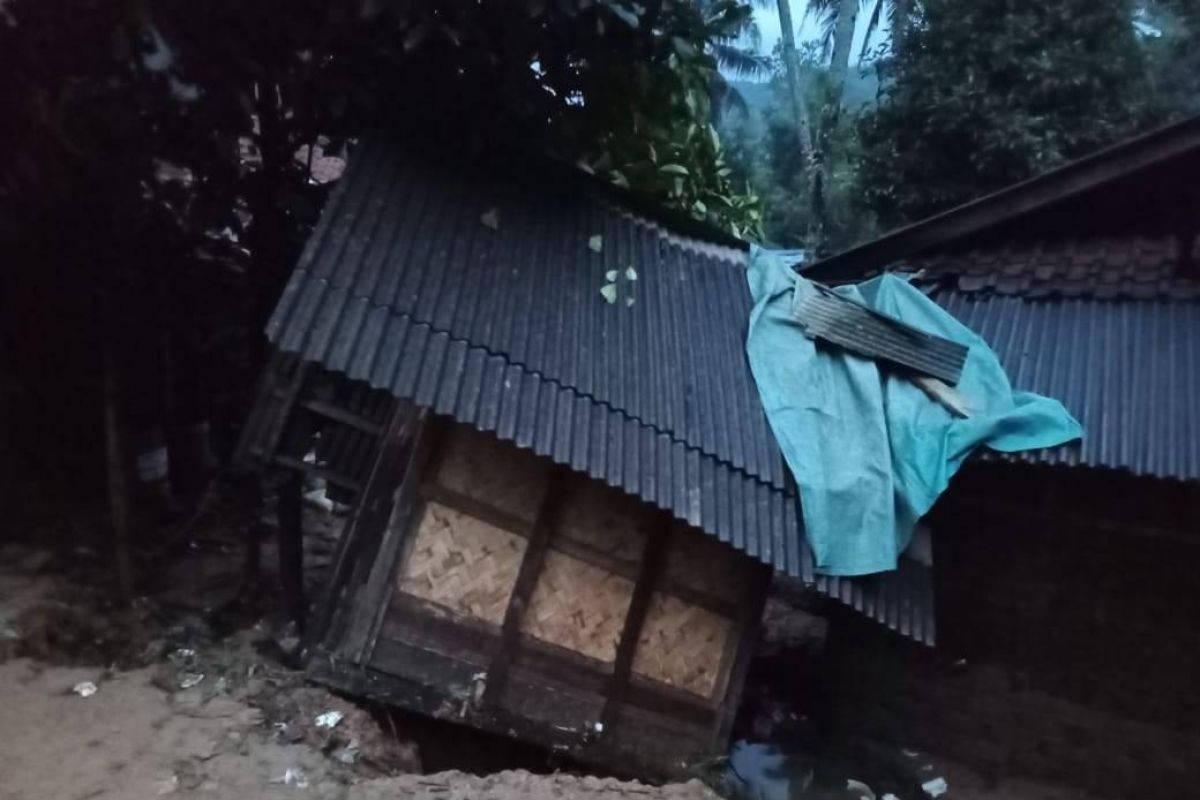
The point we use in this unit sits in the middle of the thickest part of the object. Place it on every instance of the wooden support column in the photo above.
(364, 528)
(653, 561)
(391, 520)
(526, 582)
(291, 546)
(754, 597)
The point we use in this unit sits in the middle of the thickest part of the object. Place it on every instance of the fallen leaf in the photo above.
(609, 290)
(611, 276)
(596, 243)
(631, 274)
(628, 301)
(491, 219)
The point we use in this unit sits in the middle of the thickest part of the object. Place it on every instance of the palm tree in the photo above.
(791, 68)
(839, 20)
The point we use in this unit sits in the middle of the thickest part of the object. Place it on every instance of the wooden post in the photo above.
(653, 561)
(291, 546)
(118, 483)
(526, 582)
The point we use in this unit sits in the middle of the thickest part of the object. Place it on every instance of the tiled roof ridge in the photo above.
(1129, 267)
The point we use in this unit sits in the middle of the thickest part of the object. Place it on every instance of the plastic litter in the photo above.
(936, 787)
(189, 680)
(859, 789)
(329, 719)
(349, 753)
(85, 689)
(293, 776)
(166, 785)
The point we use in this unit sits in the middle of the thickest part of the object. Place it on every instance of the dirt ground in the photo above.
(185, 709)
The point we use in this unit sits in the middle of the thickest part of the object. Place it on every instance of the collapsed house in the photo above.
(1068, 644)
(567, 500)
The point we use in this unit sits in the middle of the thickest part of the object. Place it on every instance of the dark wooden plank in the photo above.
(337, 414)
(285, 414)
(291, 546)
(653, 561)
(758, 585)
(541, 712)
(475, 508)
(527, 576)
(369, 603)
(299, 465)
(364, 528)
(249, 445)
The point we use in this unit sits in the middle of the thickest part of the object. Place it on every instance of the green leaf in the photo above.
(673, 169)
(626, 13)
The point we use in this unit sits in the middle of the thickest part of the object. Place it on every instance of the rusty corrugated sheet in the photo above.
(405, 288)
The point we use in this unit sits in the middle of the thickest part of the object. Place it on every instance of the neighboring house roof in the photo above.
(1084, 282)
(479, 296)
(1104, 168)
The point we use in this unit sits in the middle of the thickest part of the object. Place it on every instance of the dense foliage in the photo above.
(166, 159)
(990, 92)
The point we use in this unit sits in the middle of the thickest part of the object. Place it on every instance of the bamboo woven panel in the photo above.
(704, 564)
(606, 520)
(493, 472)
(462, 563)
(681, 645)
(578, 606)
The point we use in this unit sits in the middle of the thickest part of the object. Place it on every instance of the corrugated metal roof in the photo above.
(403, 286)
(1128, 370)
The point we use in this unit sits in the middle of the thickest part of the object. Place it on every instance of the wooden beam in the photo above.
(653, 561)
(291, 547)
(758, 584)
(365, 609)
(366, 523)
(527, 577)
(338, 414)
(300, 465)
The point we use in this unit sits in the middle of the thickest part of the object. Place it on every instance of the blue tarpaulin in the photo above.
(869, 450)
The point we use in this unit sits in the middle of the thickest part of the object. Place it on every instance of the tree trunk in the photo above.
(791, 66)
(804, 132)
(901, 20)
(843, 40)
(118, 483)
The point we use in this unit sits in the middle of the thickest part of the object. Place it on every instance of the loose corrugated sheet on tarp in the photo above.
(408, 286)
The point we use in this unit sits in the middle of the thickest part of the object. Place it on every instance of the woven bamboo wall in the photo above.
(582, 595)
(495, 473)
(606, 521)
(681, 645)
(704, 564)
(462, 563)
(578, 606)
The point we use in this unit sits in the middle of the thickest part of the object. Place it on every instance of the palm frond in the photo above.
(725, 98)
(872, 25)
(741, 62)
(825, 12)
